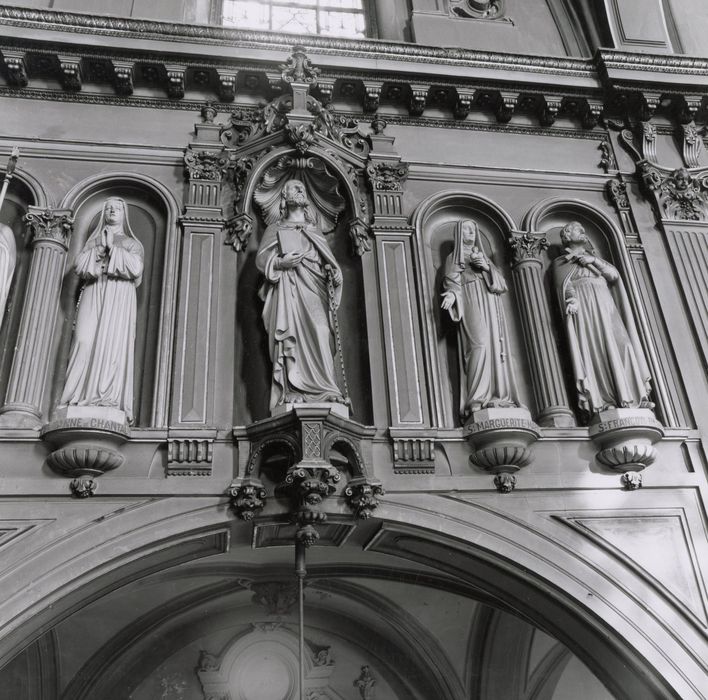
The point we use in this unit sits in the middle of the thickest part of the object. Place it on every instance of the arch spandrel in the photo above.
(541, 574)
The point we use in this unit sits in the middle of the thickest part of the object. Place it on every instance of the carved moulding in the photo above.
(86, 445)
(303, 450)
(297, 133)
(501, 440)
(626, 438)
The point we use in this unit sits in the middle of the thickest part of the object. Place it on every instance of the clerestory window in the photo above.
(345, 18)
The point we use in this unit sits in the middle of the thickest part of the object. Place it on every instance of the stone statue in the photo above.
(473, 287)
(365, 684)
(8, 258)
(609, 366)
(100, 371)
(303, 286)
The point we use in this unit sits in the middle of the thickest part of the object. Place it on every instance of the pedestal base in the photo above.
(626, 437)
(87, 438)
(501, 440)
(338, 409)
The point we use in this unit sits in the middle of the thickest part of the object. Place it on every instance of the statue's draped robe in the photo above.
(609, 366)
(297, 315)
(100, 371)
(487, 377)
(8, 257)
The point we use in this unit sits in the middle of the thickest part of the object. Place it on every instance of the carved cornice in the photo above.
(142, 29)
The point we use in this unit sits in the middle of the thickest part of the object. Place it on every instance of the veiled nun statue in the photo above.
(472, 295)
(100, 371)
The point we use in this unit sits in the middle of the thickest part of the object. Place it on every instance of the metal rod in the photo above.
(301, 572)
(11, 164)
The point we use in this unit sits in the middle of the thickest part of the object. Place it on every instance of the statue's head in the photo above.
(682, 179)
(468, 232)
(114, 211)
(294, 194)
(573, 233)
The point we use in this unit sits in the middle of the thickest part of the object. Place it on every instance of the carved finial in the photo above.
(299, 68)
(208, 113)
(378, 125)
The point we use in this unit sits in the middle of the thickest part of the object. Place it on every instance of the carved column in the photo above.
(546, 374)
(51, 230)
(681, 201)
(202, 226)
(405, 366)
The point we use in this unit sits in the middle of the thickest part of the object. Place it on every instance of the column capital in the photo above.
(527, 246)
(50, 225)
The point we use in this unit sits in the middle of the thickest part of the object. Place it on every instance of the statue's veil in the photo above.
(96, 233)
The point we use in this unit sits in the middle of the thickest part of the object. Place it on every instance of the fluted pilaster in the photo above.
(51, 230)
(546, 375)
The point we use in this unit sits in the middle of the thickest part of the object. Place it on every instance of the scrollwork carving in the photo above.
(53, 225)
(238, 232)
(617, 192)
(248, 497)
(299, 69)
(679, 195)
(362, 496)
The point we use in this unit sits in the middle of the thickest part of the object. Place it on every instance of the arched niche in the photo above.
(152, 212)
(548, 217)
(23, 191)
(434, 222)
(253, 366)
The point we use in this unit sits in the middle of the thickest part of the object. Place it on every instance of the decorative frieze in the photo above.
(679, 195)
(190, 456)
(205, 165)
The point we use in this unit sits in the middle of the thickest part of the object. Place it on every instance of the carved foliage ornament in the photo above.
(527, 247)
(299, 69)
(205, 165)
(680, 196)
(617, 191)
(387, 176)
(248, 125)
(50, 225)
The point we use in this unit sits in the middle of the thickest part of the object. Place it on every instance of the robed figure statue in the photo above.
(473, 289)
(608, 362)
(100, 371)
(303, 286)
(8, 258)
